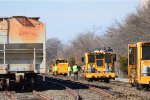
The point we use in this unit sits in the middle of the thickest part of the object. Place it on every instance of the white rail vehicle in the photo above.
(22, 50)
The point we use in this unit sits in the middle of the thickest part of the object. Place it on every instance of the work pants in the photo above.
(56, 73)
(69, 73)
(75, 76)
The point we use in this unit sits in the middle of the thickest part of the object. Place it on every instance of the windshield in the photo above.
(108, 58)
(132, 55)
(146, 52)
(99, 56)
(61, 61)
(99, 62)
(91, 58)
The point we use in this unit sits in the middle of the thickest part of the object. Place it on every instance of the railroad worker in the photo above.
(107, 68)
(50, 68)
(90, 68)
(56, 70)
(75, 72)
(110, 69)
(69, 70)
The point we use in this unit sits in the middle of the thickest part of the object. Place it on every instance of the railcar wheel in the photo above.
(147, 87)
(90, 79)
(32, 81)
(101, 79)
(138, 86)
(7, 84)
(3, 84)
(106, 80)
(65, 74)
(96, 79)
(132, 85)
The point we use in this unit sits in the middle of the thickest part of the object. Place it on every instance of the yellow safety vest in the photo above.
(55, 68)
(69, 68)
(75, 68)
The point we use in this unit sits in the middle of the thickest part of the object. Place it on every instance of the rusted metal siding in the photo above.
(26, 34)
(22, 41)
(3, 31)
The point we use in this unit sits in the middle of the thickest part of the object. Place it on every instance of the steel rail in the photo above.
(72, 92)
(41, 96)
(11, 95)
(100, 91)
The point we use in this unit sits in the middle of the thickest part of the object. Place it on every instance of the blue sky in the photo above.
(66, 18)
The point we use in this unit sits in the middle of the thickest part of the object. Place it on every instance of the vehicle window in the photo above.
(146, 52)
(108, 58)
(91, 58)
(61, 61)
(99, 62)
(132, 55)
(99, 56)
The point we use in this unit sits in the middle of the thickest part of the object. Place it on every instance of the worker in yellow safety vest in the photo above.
(69, 70)
(75, 71)
(56, 70)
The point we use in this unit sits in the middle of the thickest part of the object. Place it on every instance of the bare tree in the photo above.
(135, 28)
(85, 42)
(53, 46)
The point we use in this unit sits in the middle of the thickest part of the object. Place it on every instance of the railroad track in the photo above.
(73, 85)
(103, 93)
(119, 90)
(10, 95)
(100, 91)
(41, 96)
(35, 95)
(70, 91)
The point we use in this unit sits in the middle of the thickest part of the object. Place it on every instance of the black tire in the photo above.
(132, 85)
(138, 86)
(65, 74)
(32, 84)
(4, 85)
(90, 80)
(96, 79)
(106, 80)
(147, 87)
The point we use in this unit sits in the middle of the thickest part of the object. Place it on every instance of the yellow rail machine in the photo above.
(99, 65)
(139, 64)
(62, 67)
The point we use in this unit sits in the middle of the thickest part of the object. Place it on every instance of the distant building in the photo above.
(144, 3)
